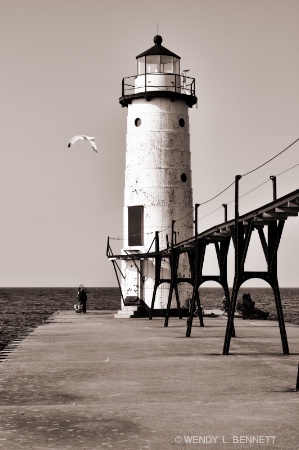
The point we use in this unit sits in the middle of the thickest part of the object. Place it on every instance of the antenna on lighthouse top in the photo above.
(157, 27)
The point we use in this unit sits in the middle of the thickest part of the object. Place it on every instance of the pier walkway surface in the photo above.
(95, 382)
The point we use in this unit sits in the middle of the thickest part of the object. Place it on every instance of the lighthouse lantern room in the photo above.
(158, 182)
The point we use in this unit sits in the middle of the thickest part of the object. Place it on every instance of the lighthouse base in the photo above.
(142, 310)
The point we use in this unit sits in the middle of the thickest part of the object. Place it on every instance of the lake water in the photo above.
(23, 308)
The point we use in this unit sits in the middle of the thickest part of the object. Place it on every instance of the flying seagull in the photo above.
(83, 137)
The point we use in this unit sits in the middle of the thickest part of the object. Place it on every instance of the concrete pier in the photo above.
(92, 382)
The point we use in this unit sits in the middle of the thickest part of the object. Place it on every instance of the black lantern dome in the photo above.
(158, 59)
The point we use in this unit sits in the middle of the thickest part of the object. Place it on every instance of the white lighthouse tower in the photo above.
(158, 182)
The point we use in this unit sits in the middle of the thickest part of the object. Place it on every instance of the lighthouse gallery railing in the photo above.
(150, 82)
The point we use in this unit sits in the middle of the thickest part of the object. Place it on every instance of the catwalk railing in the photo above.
(271, 216)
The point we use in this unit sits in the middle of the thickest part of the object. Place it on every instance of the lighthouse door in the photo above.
(135, 225)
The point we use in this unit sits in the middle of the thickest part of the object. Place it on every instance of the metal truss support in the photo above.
(196, 265)
(158, 262)
(196, 271)
(238, 239)
(274, 236)
(174, 262)
(118, 282)
(221, 248)
(241, 237)
(271, 215)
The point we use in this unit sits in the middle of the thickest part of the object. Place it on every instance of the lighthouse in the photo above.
(158, 181)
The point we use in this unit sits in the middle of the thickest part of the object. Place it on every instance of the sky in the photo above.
(61, 69)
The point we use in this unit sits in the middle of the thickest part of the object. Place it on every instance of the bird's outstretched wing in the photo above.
(75, 139)
(83, 137)
(93, 144)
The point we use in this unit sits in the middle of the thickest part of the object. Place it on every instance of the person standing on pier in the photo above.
(82, 297)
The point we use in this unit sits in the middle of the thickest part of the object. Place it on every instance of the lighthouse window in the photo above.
(181, 122)
(135, 225)
(137, 122)
(166, 64)
(158, 64)
(176, 65)
(184, 177)
(153, 64)
(141, 66)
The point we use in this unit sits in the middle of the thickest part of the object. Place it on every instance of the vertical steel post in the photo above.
(232, 306)
(225, 211)
(108, 245)
(197, 205)
(196, 219)
(172, 233)
(173, 276)
(274, 235)
(195, 296)
(157, 274)
(156, 241)
(273, 178)
(282, 329)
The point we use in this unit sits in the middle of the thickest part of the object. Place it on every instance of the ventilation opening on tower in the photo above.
(184, 177)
